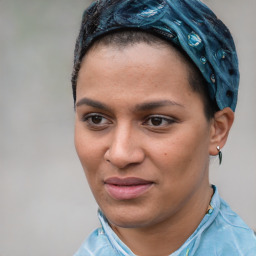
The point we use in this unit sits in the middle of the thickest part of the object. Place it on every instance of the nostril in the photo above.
(121, 159)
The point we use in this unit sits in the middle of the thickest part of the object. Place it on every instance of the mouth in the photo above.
(127, 188)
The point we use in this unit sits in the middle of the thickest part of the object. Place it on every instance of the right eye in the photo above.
(96, 121)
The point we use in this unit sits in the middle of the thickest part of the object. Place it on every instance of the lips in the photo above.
(127, 188)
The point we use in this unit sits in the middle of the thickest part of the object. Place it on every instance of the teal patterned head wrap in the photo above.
(189, 24)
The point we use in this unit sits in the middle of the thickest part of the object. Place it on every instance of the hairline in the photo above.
(156, 40)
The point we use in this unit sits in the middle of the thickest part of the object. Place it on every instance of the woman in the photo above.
(155, 89)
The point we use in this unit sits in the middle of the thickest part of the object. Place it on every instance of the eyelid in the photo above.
(168, 119)
(91, 114)
(86, 119)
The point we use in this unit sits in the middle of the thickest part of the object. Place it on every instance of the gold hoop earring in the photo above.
(220, 154)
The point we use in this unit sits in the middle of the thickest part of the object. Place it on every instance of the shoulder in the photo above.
(97, 244)
(229, 235)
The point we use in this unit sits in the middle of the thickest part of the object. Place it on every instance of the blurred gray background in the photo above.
(46, 207)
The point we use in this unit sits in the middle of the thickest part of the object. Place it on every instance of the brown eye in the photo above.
(159, 121)
(96, 119)
(156, 121)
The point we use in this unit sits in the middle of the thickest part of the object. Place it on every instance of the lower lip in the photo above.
(127, 192)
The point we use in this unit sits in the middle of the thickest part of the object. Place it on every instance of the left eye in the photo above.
(158, 121)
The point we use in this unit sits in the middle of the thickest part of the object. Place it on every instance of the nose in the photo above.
(124, 148)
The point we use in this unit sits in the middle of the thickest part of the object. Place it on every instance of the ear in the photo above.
(221, 125)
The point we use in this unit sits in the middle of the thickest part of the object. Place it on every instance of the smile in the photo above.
(128, 188)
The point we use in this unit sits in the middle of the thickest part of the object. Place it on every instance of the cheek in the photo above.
(91, 149)
(185, 153)
(173, 150)
(89, 158)
(86, 148)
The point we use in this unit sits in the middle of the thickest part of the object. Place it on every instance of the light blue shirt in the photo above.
(221, 233)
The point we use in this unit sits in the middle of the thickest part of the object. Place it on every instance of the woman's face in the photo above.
(141, 134)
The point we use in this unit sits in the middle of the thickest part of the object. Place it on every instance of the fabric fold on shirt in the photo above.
(221, 233)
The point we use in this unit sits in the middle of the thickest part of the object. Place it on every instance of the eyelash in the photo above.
(88, 120)
(159, 118)
(168, 121)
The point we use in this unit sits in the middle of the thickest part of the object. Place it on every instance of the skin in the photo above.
(147, 123)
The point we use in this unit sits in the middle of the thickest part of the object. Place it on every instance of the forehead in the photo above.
(135, 71)
(105, 60)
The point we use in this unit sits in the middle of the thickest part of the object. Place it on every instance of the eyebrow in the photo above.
(156, 104)
(92, 103)
(139, 107)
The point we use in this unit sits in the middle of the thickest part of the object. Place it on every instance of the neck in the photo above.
(166, 237)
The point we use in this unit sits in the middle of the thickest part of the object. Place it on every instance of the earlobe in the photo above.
(221, 126)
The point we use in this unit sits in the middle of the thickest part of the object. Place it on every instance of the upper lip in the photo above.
(129, 181)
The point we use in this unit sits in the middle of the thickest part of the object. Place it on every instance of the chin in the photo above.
(129, 217)
(128, 223)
